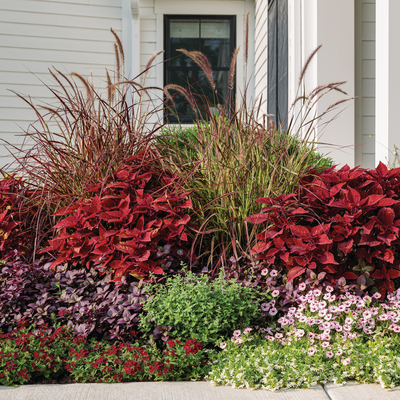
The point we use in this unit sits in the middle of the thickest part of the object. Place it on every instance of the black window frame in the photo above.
(278, 105)
(167, 53)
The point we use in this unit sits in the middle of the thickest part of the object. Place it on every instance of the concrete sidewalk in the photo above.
(190, 391)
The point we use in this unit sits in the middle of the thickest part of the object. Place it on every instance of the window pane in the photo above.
(200, 88)
(177, 59)
(215, 29)
(217, 51)
(184, 29)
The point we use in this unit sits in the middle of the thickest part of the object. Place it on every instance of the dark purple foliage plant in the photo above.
(80, 299)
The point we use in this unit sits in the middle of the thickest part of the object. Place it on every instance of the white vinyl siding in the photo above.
(365, 83)
(261, 52)
(70, 35)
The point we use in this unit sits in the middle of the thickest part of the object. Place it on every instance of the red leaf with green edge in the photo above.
(350, 275)
(295, 272)
(378, 274)
(327, 258)
(258, 218)
(346, 246)
(393, 273)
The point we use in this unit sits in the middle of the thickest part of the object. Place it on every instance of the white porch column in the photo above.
(330, 23)
(387, 79)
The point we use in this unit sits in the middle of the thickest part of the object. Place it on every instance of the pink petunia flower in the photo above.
(273, 311)
(311, 351)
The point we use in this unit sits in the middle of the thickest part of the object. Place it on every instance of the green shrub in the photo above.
(200, 309)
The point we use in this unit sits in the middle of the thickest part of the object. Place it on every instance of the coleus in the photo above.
(135, 223)
(335, 219)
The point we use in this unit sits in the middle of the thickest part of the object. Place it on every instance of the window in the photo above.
(214, 36)
(278, 61)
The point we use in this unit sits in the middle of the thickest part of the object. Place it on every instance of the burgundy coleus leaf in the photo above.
(260, 247)
(336, 189)
(386, 237)
(346, 246)
(387, 202)
(369, 240)
(385, 217)
(354, 197)
(327, 258)
(295, 272)
(258, 218)
(387, 255)
(69, 222)
(350, 275)
(300, 231)
(297, 211)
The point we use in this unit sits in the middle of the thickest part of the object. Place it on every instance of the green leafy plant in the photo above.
(200, 309)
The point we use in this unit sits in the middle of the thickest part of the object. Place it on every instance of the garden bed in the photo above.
(231, 251)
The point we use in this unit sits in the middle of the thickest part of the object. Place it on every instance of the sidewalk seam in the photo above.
(329, 397)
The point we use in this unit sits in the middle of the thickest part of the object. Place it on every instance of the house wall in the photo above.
(365, 83)
(71, 35)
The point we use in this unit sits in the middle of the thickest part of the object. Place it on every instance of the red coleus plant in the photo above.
(134, 224)
(334, 221)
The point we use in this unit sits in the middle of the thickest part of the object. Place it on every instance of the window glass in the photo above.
(214, 37)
